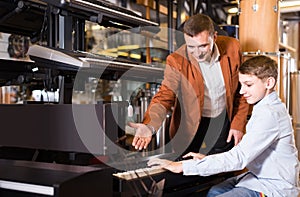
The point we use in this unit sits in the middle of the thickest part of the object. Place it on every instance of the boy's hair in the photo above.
(261, 66)
(197, 24)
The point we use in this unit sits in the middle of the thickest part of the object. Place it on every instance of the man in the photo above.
(267, 150)
(200, 87)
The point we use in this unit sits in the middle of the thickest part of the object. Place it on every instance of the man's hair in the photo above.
(261, 66)
(197, 24)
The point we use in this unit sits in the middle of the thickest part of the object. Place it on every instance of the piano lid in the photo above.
(93, 64)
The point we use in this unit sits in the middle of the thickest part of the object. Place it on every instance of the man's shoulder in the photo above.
(180, 52)
(226, 40)
(178, 58)
(226, 43)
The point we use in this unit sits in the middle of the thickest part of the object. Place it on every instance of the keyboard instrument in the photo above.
(141, 180)
(139, 173)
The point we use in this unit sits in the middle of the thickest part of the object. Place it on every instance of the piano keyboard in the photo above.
(142, 172)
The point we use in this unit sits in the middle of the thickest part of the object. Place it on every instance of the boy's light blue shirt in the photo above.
(267, 150)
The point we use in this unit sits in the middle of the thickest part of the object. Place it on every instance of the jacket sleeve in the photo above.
(165, 98)
(240, 105)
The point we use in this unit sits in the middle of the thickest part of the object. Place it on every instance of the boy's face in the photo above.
(200, 46)
(253, 88)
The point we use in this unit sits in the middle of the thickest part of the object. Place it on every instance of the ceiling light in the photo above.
(35, 69)
(233, 10)
(289, 6)
(289, 3)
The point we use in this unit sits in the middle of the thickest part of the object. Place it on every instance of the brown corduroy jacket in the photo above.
(182, 93)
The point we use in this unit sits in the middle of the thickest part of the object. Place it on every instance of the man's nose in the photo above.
(199, 50)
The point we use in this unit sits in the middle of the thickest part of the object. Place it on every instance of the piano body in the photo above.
(61, 149)
(39, 179)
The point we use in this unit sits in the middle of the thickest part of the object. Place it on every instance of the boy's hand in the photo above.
(172, 166)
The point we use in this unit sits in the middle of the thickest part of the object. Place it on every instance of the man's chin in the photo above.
(201, 60)
(204, 59)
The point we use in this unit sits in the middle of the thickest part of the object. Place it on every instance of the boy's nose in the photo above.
(242, 90)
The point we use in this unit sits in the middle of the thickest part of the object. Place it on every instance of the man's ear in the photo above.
(215, 36)
(270, 83)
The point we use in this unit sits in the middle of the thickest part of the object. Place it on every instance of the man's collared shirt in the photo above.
(214, 86)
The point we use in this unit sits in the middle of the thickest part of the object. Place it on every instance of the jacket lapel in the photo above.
(196, 71)
(225, 66)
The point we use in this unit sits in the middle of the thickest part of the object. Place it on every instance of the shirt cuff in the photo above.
(151, 128)
(189, 167)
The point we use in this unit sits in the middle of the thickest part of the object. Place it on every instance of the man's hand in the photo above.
(238, 135)
(142, 137)
(172, 166)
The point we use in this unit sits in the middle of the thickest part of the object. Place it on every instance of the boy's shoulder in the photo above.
(269, 105)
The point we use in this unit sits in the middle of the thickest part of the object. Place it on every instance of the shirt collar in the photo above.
(216, 54)
(270, 97)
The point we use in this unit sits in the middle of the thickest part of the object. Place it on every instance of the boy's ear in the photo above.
(270, 83)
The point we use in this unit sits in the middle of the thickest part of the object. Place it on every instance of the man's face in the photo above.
(200, 46)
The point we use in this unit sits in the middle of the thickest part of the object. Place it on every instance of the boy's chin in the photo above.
(249, 101)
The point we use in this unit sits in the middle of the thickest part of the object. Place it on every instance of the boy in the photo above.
(267, 149)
